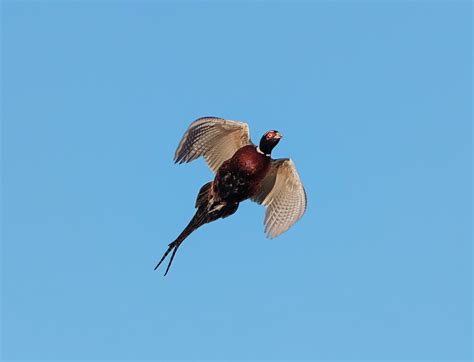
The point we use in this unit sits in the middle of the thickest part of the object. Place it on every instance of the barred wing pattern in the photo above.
(215, 139)
(284, 196)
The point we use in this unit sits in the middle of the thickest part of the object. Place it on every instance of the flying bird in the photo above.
(243, 171)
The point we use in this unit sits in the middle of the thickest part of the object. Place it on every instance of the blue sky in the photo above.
(374, 101)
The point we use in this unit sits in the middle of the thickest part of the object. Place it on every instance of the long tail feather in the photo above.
(171, 247)
(197, 221)
(207, 211)
(171, 259)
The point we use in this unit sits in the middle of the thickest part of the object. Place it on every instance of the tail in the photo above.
(207, 211)
(195, 222)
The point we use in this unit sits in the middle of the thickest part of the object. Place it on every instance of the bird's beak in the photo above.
(278, 135)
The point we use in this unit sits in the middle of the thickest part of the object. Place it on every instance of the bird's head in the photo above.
(269, 140)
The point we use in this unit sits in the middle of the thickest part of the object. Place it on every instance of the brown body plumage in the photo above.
(238, 178)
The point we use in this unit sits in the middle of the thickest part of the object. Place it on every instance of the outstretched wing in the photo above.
(284, 196)
(215, 139)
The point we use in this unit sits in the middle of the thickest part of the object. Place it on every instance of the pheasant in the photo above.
(242, 171)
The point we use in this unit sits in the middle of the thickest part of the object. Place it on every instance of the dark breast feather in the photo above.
(238, 177)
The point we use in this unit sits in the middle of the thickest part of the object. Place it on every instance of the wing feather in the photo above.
(284, 196)
(215, 139)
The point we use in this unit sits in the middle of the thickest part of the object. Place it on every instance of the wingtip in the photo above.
(179, 160)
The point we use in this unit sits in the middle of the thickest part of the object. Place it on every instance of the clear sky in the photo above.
(374, 102)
